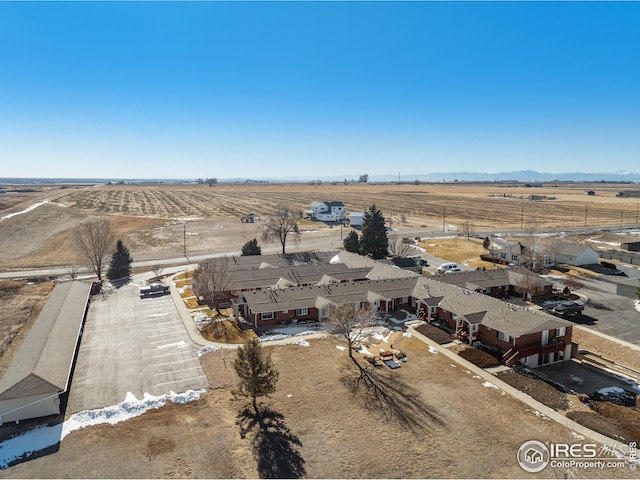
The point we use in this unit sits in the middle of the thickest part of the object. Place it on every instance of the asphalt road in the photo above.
(133, 345)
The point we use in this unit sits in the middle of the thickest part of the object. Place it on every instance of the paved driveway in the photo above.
(609, 313)
(133, 345)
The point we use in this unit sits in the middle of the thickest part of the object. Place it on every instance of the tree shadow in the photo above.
(274, 446)
(121, 282)
(392, 397)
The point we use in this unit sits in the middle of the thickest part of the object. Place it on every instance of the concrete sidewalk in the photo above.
(523, 397)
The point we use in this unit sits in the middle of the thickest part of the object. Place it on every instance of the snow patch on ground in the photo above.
(593, 240)
(636, 304)
(335, 259)
(489, 385)
(43, 437)
(302, 343)
(433, 350)
(340, 347)
(406, 334)
(207, 349)
(28, 209)
(607, 390)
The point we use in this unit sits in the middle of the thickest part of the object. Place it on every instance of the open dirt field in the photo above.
(428, 419)
(158, 221)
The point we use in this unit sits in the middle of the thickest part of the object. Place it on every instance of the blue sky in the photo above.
(316, 89)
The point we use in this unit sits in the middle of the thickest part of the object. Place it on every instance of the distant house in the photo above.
(630, 246)
(326, 211)
(515, 253)
(576, 254)
(629, 193)
(590, 192)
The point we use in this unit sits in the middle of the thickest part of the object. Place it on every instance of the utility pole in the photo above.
(621, 212)
(444, 217)
(637, 209)
(184, 239)
(522, 218)
(586, 208)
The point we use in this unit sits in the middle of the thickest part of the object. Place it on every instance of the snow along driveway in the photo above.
(133, 345)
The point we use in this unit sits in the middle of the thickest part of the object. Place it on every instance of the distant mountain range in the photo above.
(518, 176)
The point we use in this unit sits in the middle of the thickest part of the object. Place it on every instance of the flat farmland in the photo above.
(158, 220)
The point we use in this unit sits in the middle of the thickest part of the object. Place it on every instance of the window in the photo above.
(504, 337)
(561, 332)
(302, 311)
(514, 258)
(404, 300)
(267, 316)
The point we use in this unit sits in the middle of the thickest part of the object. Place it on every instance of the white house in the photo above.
(576, 254)
(326, 211)
(515, 253)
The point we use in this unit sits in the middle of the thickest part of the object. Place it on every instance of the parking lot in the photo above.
(609, 313)
(132, 345)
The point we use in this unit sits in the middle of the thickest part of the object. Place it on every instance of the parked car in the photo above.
(563, 308)
(448, 266)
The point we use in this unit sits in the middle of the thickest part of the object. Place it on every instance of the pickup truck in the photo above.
(563, 308)
(154, 289)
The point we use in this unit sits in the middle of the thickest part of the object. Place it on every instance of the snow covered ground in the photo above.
(43, 437)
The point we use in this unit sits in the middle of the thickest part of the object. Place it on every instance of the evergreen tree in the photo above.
(351, 243)
(251, 248)
(373, 240)
(257, 374)
(121, 260)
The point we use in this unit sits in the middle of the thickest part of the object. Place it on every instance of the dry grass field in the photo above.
(151, 218)
(428, 419)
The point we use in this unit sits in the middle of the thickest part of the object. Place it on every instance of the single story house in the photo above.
(500, 282)
(576, 254)
(326, 211)
(40, 372)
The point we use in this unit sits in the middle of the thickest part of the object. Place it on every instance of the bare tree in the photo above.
(351, 322)
(532, 249)
(571, 284)
(400, 247)
(282, 223)
(212, 282)
(530, 285)
(468, 229)
(94, 239)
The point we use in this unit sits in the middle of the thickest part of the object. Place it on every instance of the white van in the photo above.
(448, 267)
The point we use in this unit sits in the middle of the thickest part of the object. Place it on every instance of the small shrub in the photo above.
(11, 284)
